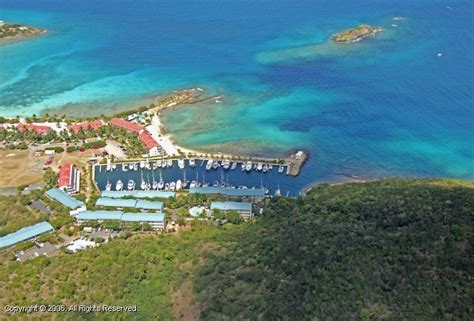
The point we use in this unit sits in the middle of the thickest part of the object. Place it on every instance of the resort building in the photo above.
(138, 194)
(65, 199)
(153, 148)
(85, 126)
(116, 202)
(156, 220)
(254, 194)
(69, 179)
(129, 126)
(99, 216)
(38, 129)
(243, 208)
(25, 234)
(129, 203)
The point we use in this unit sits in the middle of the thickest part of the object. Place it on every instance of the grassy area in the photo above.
(14, 214)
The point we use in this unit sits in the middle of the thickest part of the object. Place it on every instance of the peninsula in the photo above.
(17, 31)
(356, 34)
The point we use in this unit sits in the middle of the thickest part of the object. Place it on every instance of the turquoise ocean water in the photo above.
(388, 106)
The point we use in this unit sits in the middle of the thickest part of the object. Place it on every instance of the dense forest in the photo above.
(387, 250)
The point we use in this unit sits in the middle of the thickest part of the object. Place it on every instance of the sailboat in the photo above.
(130, 166)
(161, 183)
(209, 164)
(124, 167)
(172, 186)
(143, 183)
(119, 185)
(108, 187)
(154, 183)
(234, 165)
(131, 185)
(185, 181)
(179, 185)
(169, 163)
(167, 187)
(278, 191)
(248, 166)
(281, 168)
(181, 163)
(226, 164)
(192, 162)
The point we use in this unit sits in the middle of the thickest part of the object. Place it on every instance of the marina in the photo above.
(183, 174)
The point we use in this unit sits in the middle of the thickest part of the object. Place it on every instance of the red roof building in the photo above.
(64, 177)
(147, 140)
(131, 127)
(152, 146)
(69, 178)
(85, 126)
(39, 129)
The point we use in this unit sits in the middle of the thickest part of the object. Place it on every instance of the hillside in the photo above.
(390, 250)
(383, 250)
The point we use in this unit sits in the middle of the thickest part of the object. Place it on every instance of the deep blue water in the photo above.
(383, 107)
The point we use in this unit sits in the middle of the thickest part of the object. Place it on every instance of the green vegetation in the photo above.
(356, 34)
(16, 30)
(14, 214)
(384, 250)
(388, 250)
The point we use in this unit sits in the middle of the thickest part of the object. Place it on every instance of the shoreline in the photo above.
(14, 39)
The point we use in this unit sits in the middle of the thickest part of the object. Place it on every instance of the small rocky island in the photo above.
(356, 34)
(17, 31)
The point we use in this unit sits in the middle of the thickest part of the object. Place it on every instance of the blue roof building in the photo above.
(25, 233)
(138, 194)
(232, 206)
(116, 202)
(149, 205)
(143, 217)
(249, 192)
(156, 220)
(99, 215)
(64, 198)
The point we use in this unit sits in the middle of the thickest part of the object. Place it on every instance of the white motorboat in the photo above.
(114, 166)
(181, 163)
(108, 187)
(172, 186)
(234, 165)
(209, 164)
(131, 185)
(192, 162)
(135, 167)
(119, 185)
(193, 184)
(248, 166)
(143, 185)
(169, 163)
(124, 167)
(281, 168)
(215, 184)
(259, 166)
(142, 164)
(226, 164)
(159, 163)
(179, 185)
(215, 164)
(265, 168)
(130, 166)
